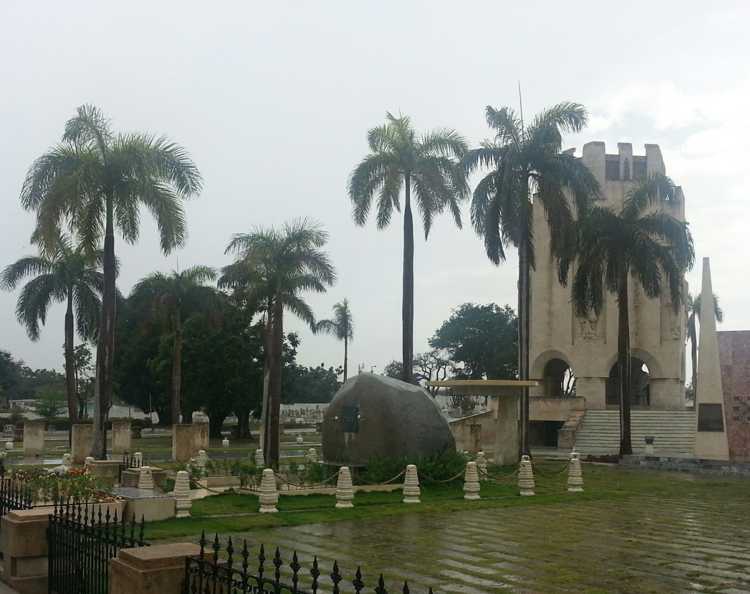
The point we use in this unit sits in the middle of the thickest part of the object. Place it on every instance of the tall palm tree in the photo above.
(427, 166)
(174, 297)
(62, 274)
(274, 267)
(527, 170)
(95, 180)
(694, 313)
(640, 244)
(341, 326)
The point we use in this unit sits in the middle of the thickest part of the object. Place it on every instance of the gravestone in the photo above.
(82, 440)
(183, 443)
(122, 437)
(33, 437)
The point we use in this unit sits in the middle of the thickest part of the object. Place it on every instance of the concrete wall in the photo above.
(734, 357)
(589, 346)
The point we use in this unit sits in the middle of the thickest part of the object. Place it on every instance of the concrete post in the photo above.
(575, 476)
(24, 545)
(182, 494)
(471, 482)
(121, 436)
(269, 495)
(344, 489)
(33, 437)
(526, 482)
(82, 440)
(411, 490)
(183, 443)
(146, 570)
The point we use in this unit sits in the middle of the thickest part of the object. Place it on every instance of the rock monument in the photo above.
(374, 416)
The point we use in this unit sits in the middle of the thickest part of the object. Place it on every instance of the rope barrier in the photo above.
(449, 480)
(552, 473)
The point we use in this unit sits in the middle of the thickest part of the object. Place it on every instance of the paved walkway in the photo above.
(642, 544)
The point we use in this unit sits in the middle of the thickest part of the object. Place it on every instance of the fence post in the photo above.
(411, 490)
(24, 545)
(471, 482)
(526, 483)
(344, 489)
(144, 570)
(575, 476)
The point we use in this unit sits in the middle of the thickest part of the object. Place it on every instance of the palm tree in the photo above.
(527, 169)
(96, 180)
(425, 165)
(694, 313)
(63, 274)
(273, 267)
(640, 244)
(341, 326)
(174, 297)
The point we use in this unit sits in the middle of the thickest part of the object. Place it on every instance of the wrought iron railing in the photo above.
(82, 539)
(225, 570)
(14, 494)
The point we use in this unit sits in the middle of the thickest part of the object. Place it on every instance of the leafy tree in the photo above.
(10, 376)
(528, 169)
(694, 313)
(96, 180)
(174, 297)
(482, 339)
(394, 369)
(309, 384)
(425, 165)
(432, 366)
(83, 365)
(50, 404)
(61, 273)
(273, 268)
(342, 327)
(639, 243)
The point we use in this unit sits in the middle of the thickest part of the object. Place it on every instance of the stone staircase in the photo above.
(674, 430)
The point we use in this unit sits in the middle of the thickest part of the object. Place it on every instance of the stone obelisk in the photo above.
(711, 437)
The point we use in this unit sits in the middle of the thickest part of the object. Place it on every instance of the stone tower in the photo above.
(561, 341)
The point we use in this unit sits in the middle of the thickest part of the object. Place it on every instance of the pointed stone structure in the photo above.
(411, 490)
(344, 488)
(711, 438)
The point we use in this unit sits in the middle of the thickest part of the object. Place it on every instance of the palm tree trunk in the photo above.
(346, 356)
(106, 349)
(177, 370)
(70, 371)
(274, 391)
(523, 338)
(623, 363)
(267, 356)
(407, 304)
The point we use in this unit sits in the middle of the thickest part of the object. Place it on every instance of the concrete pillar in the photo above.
(24, 545)
(33, 437)
(711, 438)
(269, 494)
(506, 414)
(122, 436)
(82, 440)
(411, 490)
(526, 484)
(145, 570)
(575, 475)
(471, 482)
(183, 443)
(182, 494)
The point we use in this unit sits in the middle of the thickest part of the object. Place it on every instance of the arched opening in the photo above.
(639, 384)
(558, 379)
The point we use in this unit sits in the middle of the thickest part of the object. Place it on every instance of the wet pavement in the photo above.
(639, 544)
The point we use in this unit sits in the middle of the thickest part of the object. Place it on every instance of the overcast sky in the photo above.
(274, 99)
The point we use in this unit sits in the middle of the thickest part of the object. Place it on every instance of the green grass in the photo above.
(233, 512)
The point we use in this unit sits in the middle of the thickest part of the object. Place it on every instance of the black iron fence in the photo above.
(14, 494)
(225, 570)
(82, 538)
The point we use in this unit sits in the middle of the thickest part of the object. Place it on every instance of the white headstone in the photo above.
(8, 445)
(300, 439)
(225, 443)
(260, 460)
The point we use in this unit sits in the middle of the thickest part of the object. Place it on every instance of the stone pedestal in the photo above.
(122, 436)
(526, 484)
(33, 437)
(146, 479)
(183, 443)
(575, 476)
(24, 545)
(82, 440)
(148, 570)
(269, 494)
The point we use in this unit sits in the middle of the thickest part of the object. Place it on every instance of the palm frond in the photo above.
(28, 266)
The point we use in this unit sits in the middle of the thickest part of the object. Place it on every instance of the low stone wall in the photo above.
(24, 545)
(145, 570)
(693, 465)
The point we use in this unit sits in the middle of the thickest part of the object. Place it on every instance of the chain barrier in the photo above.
(553, 473)
(439, 482)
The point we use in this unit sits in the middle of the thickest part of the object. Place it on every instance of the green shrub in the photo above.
(438, 467)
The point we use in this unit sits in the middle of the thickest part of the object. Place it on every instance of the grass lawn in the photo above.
(232, 512)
